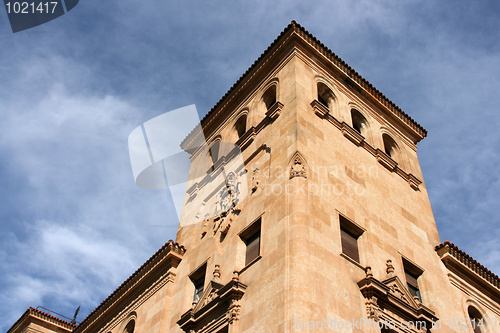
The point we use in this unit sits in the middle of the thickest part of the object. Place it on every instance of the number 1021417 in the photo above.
(43, 7)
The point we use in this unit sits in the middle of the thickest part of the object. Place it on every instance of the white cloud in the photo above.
(85, 226)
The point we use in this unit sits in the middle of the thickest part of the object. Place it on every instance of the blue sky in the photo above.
(73, 223)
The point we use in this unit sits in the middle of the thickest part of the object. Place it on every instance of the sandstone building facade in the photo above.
(335, 231)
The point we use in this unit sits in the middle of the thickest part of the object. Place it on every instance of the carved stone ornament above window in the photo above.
(219, 306)
(389, 300)
(298, 167)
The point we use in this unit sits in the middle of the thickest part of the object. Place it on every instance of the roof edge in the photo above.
(341, 65)
(468, 261)
(162, 252)
(31, 311)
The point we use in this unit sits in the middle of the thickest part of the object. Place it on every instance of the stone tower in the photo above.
(325, 225)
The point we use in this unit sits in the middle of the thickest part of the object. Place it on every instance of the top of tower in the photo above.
(296, 30)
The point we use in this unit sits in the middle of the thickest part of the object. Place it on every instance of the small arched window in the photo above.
(130, 328)
(476, 319)
(214, 151)
(359, 122)
(269, 97)
(241, 125)
(390, 146)
(325, 95)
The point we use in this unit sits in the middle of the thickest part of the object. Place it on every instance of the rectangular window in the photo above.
(412, 273)
(253, 248)
(198, 279)
(349, 244)
(251, 237)
(349, 234)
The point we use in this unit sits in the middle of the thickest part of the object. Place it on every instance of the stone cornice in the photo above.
(33, 314)
(469, 269)
(169, 256)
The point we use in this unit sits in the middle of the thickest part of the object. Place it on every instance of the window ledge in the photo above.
(250, 264)
(346, 257)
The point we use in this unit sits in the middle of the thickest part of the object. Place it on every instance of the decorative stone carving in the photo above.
(298, 168)
(228, 195)
(255, 180)
(205, 227)
(217, 300)
(217, 273)
(219, 224)
(390, 268)
(372, 309)
(209, 297)
(368, 272)
(396, 291)
(385, 298)
(225, 224)
(234, 310)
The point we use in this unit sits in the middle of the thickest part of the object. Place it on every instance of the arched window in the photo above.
(241, 125)
(359, 122)
(269, 97)
(214, 151)
(476, 319)
(325, 95)
(390, 147)
(130, 328)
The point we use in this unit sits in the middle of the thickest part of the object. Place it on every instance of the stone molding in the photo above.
(218, 306)
(389, 299)
(275, 110)
(467, 261)
(464, 266)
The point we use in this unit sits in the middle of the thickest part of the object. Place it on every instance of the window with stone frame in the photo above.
(270, 96)
(412, 275)
(251, 238)
(325, 95)
(476, 319)
(349, 235)
(359, 122)
(241, 125)
(130, 328)
(390, 147)
(198, 280)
